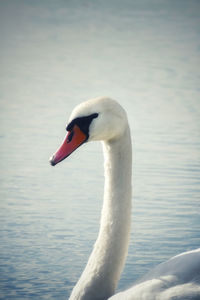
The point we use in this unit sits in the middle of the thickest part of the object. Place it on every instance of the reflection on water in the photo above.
(146, 55)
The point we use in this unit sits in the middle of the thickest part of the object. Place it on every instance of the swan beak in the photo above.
(72, 141)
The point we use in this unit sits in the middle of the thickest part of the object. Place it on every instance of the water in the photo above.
(55, 54)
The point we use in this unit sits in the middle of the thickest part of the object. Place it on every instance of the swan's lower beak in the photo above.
(72, 141)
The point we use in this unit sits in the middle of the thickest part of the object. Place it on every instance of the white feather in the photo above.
(178, 278)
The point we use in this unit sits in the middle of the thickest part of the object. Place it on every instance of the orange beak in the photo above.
(72, 141)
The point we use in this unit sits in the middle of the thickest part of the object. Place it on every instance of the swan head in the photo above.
(99, 119)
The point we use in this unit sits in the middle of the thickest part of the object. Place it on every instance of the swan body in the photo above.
(103, 119)
(178, 278)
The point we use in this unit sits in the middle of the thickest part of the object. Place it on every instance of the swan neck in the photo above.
(100, 277)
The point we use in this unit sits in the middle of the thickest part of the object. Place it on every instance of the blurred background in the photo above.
(54, 55)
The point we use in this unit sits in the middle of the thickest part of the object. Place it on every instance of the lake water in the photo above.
(54, 55)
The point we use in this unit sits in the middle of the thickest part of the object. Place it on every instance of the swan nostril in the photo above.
(70, 136)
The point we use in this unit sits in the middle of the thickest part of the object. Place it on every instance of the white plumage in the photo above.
(178, 278)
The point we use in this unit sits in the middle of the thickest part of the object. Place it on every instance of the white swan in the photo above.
(105, 120)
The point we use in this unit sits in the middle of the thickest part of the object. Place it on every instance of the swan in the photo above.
(103, 119)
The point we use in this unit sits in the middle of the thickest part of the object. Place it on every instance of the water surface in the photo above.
(55, 54)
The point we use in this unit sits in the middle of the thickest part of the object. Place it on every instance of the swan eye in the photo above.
(83, 123)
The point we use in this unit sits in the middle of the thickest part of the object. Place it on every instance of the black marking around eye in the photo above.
(83, 123)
